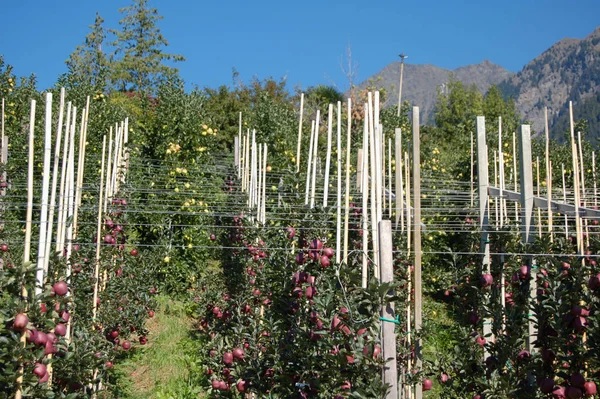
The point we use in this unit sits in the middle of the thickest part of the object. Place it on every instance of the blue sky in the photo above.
(304, 40)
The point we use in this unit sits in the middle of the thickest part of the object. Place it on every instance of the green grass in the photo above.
(161, 369)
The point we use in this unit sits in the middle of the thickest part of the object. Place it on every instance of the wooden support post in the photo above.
(594, 178)
(390, 189)
(417, 243)
(314, 167)
(347, 194)
(309, 165)
(365, 199)
(359, 169)
(501, 171)
(408, 209)
(548, 175)
(515, 173)
(527, 218)
(374, 185)
(483, 183)
(237, 145)
(338, 238)
(45, 188)
(386, 262)
(61, 191)
(399, 185)
(472, 173)
(328, 156)
(564, 189)
(236, 154)
(576, 182)
(496, 214)
(264, 187)
(539, 211)
(299, 133)
(99, 233)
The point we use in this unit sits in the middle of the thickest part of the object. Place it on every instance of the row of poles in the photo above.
(251, 163)
(377, 194)
(64, 199)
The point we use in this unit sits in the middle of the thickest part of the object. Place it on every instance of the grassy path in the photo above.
(164, 368)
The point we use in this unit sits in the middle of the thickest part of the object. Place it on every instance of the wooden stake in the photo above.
(576, 182)
(314, 170)
(417, 240)
(237, 148)
(45, 188)
(496, 215)
(483, 183)
(515, 173)
(338, 241)
(299, 133)
(365, 199)
(374, 198)
(548, 175)
(594, 178)
(359, 169)
(399, 186)
(408, 208)
(539, 211)
(264, 186)
(501, 171)
(347, 196)
(63, 172)
(472, 173)
(564, 185)
(390, 190)
(99, 233)
(386, 262)
(328, 156)
(80, 166)
(309, 165)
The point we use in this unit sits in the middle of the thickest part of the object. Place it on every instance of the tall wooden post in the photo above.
(399, 185)
(299, 133)
(347, 196)
(365, 200)
(527, 218)
(417, 243)
(386, 262)
(483, 183)
(328, 156)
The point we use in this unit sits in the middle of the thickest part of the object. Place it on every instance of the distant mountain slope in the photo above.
(567, 71)
(420, 82)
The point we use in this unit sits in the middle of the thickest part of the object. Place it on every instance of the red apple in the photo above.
(60, 288)
(238, 354)
(547, 385)
(577, 380)
(60, 329)
(329, 252)
(325, 261)
(228, 358)
(427, 384)
(134, 252)
(589, 388)
(241, 386)
(143, 340)
(21, 321)
(487, 280)
(4, 248)
(108, 365)
(40, 369)
(572, 392)
(126, 345)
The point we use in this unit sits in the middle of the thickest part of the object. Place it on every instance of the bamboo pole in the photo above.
(374, 183)
(80, 165)
(390, 190)
(264, 187)
(99, 233)
(575, 182)
(472, 174)
(515, 173)
(299, 133)
(61, 191)
(417, 243)
(28, 224)
(501, 171)
(539, 211)
(309, 165)
(328, 156)
(399, 186)
(314, 169)
(338, 241)
(408, 210)
(52, 204)
(347, 196)
(564, 186)
(44, 205)
(548, 175)
(365, 199)
(237, 151)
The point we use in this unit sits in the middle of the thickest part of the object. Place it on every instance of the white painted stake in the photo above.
(338, 241)
(328, 156)
(399, 184)
(314, 170)
(564, 187)
(237, 148)
(389, 193)
(44, 206)
(365, 199)
(501, 171)
(374, 198)
(299, 133)
(54, 180)
(264, 187)
(99, 233)
(347, 196)
(309, 165)
(548, 175)
(417, 243)
(63, 172)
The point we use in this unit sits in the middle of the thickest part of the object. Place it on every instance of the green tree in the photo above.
(88, 64)
(456, 110)
(139, 60)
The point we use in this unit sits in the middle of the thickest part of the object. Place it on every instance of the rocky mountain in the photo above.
(421, 82)
(567, 71)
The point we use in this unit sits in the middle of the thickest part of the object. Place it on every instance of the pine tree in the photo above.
(88, 64)
(139, 61)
